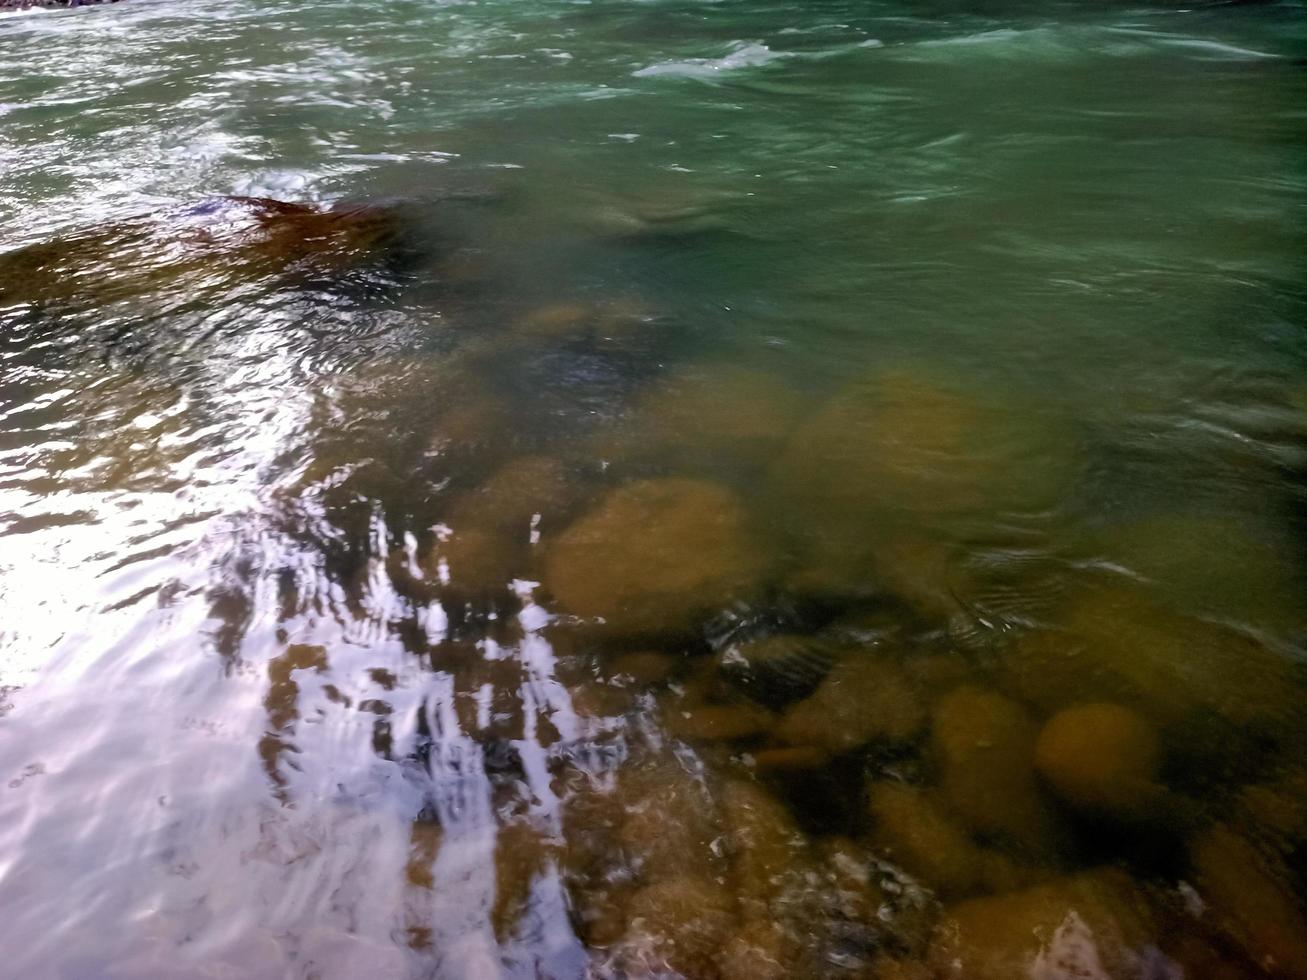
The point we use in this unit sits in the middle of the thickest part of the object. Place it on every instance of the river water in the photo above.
(727, 489)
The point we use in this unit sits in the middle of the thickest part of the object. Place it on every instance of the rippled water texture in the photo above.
(738, 490)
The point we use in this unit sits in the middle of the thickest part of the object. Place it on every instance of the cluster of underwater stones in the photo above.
(869, 804)
(849, 778)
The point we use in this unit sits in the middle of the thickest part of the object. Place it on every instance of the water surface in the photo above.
(738, 489)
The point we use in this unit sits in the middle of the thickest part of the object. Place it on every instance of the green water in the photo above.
(722, 490)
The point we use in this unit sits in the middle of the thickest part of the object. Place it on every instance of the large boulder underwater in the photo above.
(215, 243)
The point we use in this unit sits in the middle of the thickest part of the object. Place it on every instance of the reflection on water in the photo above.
(527, 490)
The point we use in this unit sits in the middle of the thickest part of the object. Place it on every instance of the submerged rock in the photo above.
(523, 494)
(776, 670)
(1251, 901)
(862, 699)
(562, 322)
(759, 950)
(1100, 758)
(642, 667)
(790, 759)
(1121, 645)
(1094, 926)
(913, 830)
(475, 561)
(654, 555)
(1214, 566)
(1277, 810)
(713, 418)
(910, 442)
(668, 823)
(765, 844)
(216, 244)
(984, 745)
(683, 922)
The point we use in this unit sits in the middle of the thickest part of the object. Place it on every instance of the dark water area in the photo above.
(653, 489)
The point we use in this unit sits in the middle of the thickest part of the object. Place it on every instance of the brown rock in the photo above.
(1101, 758)
(1094, 925)
(654, 554)
(862, 699)
(1252, 901)
(689, 919)
(765, 843)
(1117, 644)
(915, 832)
(759, 950)
(984, 745)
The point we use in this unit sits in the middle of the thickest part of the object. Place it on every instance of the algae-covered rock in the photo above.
(1094, 926)
(554, 321)
(1101, 758)
(1276, 810)
(798, 758)
(1251, 900)
(909, 441)
(862, 699)
(523, 492)
(217, 243)
(1117, 644)
(687, 920)
(575, 322)
(521, 855)
(711, 416)
(1214, 565)
(475, 560)
(488, 535)
(668, 823)
(914, 831)
(655, 554)
(899, 968)
(766, 845)
(758, 950)
(984, 745)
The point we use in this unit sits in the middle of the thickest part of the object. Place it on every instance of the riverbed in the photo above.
(740, 489)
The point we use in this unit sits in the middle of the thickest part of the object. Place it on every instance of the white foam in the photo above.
(743, 55)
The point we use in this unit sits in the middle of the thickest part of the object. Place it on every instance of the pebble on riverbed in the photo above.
(653, 555)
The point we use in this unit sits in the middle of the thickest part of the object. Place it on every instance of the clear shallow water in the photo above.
(667, 499)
